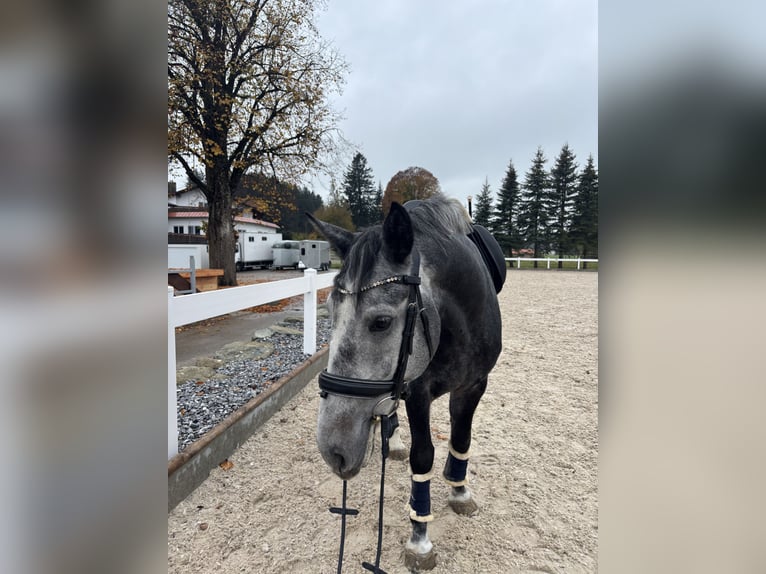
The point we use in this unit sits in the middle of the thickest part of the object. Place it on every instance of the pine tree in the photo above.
(504, 218)
(533, 214)
(584, 229)
(376, 214)
(483, 206)
(359, 191)
(561, 198)
(294, 222)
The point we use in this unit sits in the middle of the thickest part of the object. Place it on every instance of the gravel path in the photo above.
(202, 404)
(533, 467)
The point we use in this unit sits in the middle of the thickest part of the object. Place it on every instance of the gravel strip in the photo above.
(202, 405)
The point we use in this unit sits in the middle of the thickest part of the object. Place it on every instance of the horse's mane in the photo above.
(440, 217)
(433, 220)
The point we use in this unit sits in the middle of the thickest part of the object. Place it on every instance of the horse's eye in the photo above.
(380, 324)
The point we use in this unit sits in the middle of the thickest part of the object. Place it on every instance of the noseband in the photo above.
(392, 390)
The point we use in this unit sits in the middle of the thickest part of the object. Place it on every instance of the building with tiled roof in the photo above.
(188, 214)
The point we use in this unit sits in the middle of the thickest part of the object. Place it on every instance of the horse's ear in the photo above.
(397, 233)
(340, 239)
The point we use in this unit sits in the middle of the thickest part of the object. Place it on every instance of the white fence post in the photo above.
(310, 313)
(578, 263)
(518, 263)
(549, 262)
(172, 397)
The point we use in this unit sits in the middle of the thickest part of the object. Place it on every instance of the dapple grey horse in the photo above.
(451, 350)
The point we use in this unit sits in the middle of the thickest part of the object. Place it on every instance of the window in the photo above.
(264, 238)
(197, 230)
(251, 239)
(178, 229)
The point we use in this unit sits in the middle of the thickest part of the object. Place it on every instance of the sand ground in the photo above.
(533, 468)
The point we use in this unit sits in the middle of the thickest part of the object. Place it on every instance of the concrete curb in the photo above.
(189, 469)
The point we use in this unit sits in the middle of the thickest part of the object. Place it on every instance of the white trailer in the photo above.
(315, 254)
(254, 249)
(286, 254)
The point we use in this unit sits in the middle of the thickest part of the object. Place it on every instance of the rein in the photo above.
(389, 392)
(387, 426)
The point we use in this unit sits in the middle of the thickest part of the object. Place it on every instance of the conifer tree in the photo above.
(505, 217)
(534, 215)
(483, 214)
(584, 228)
(561, 198)
(376, 214)
(359, 191)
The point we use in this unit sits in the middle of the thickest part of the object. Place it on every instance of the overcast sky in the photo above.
(461, 88)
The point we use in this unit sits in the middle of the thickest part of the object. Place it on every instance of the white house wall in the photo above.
(197, 221)
(185, 222)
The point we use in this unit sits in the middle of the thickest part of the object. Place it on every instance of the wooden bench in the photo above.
(206, 279)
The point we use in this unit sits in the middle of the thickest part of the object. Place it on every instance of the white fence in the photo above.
(200, 306)
(518, 260)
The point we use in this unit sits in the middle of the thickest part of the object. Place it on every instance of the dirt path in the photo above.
(533, 467)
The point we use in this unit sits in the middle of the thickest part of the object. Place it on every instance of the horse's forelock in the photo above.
(360, 261)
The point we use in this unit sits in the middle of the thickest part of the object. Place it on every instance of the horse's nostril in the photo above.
(339, 462)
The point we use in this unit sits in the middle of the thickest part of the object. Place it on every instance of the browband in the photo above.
(403, 279)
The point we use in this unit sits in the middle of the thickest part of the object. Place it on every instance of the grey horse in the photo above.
(451, 352)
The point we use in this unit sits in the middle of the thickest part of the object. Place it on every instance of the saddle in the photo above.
(491, 253)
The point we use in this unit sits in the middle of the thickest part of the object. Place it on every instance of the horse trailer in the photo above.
(255, 249)
(315, 254)
(301, 254)
(285, 254)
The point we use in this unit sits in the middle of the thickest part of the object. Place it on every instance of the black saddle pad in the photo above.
(491, 253)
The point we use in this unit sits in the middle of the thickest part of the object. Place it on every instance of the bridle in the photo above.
(388, 393)
(391, 391)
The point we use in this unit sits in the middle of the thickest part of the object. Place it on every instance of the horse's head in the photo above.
(368, 321)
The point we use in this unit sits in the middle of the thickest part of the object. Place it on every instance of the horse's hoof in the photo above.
(419, 562)
(399, 454)
(466, 507)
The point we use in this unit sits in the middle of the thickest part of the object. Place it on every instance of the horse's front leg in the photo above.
(418, 552)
